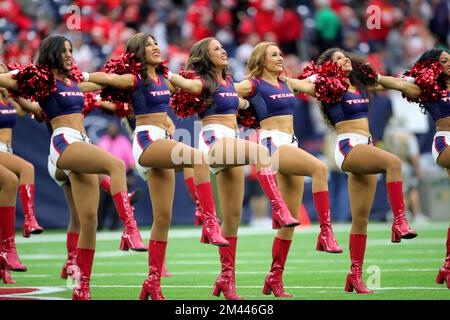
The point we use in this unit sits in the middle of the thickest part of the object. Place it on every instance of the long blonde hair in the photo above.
(255, 63)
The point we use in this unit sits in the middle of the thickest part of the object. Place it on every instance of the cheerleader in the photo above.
(355, 153)
(71, 151)
(157, 154)
(8, 193)
(274, 102)
(219, 138)
(433, 95)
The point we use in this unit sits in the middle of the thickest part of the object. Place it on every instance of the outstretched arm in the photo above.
(88, 86)
(25, 105)
(122, 82)
(7, 81)
(302, 86)
(194, 86)
(401, 84)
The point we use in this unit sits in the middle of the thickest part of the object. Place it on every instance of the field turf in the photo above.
(405, 271)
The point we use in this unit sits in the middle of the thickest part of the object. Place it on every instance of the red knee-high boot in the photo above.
(71, 262)
(281, 217)
(326, 240)
(274, 280)
(198, 215)
(5, 275)
(131, 238)
(7, 235)
(400, 227)
(226, 282)
(105, 184)
(444, 271)
(30, 225)
(152, 285)
(211, 229)
(357, 251)
(85, 259)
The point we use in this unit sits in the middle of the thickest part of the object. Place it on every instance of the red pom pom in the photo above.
(123, 110)
(162, 69)
(90, 103)
(330, 81)
(35, 82)
(44, 116)
(75, 73)
(125, 63)
(366, 71)
(186, 104)
(248, 118)
(431, 80)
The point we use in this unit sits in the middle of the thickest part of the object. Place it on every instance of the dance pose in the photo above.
(220, 139)
(356, 155)
(157, 154)
(439, 110)
(274, 104)
(71, 151)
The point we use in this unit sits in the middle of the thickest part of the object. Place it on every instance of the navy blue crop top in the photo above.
(351, 106)
(225, 100)
(8, 116)
(67, 99)
(439, 109)
(150, 97)
(269, 100)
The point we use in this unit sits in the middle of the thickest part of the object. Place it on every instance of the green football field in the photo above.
(397, 271)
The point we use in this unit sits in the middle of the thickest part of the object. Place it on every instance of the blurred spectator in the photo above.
(327, 25)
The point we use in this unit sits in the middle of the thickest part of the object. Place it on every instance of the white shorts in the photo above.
(441, 141)
(273, 139)
(345, 143)
(5, 148)
(209, 135)
(61, 139)
(143, 138)
(52, 172)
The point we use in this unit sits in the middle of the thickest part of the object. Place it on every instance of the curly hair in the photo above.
(358, 76)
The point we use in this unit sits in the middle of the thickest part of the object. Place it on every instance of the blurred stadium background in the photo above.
(302, 28)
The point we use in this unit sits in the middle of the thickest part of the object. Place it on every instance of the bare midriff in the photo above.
(6, 136)
(158, 119)
(443, 124)
(74, 121)
(283, 123)
(360, 126)
(228, 120)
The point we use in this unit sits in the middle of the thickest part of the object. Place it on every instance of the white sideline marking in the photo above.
(263, 272)
(34, 294)
(243, 231)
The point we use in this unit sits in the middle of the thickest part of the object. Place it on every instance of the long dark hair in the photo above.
(357, 77)
(200, 62)
(432, 55)
(50, 53)
(136, 45)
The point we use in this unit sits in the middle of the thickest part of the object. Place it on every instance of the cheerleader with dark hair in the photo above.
(346, 110)
(157, 154)
(428, 83)
(50, 83)
(206, 78)
(274, 103)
